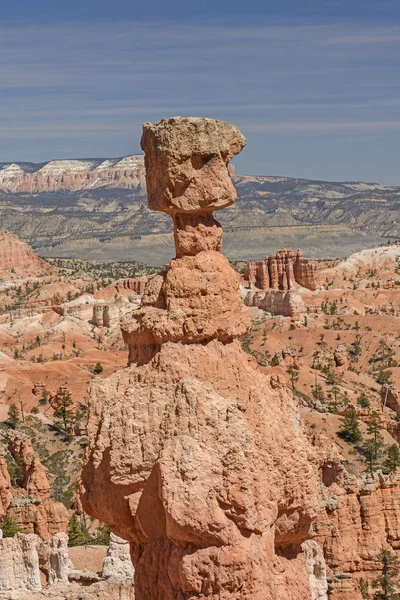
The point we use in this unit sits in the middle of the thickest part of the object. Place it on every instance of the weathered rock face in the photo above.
(118, 564)
(19, 563)
(32, 506)
(358, 517)
(137, 286)
(5, 486)
(288, 304)
(361, 517)
(194, 456)
(17, 259)
(282, 271)
(186, 165)
(24, 557)
(340, 355)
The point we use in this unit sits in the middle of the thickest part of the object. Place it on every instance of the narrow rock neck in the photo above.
(194, 233)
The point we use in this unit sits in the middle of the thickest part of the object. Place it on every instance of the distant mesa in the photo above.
(72, 175)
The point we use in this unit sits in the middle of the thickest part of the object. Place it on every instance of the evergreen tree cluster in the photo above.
(372, 448)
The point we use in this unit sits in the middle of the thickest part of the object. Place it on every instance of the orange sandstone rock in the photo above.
(32, 506)
(195, 457)
(282, 271)
(17, 259)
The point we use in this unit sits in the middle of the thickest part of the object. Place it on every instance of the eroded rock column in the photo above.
(195, 457)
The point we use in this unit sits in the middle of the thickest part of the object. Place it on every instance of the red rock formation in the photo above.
(18, 261)
(5, 486)
(137, 286)
(194, 456)
(32, 506)
(304, 271)
(282, 271)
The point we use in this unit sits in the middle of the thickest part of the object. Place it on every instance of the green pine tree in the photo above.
(9, 527)
(14, 468)
(350, 429)
(363, 400)
(392, 461)
(64, 415)
(13, 415)
(385, 584)
(368, 451)
(76, 534)
(374, 429)
(372, 449)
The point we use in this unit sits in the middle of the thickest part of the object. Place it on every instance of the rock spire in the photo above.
(194, 456)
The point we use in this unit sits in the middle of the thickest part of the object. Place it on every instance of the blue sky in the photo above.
(314, 86)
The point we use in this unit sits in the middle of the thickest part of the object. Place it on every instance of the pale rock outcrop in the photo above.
(340, 355)
(25, 557)
(58, 559)
(316, 569)
(195, 457)
(118, 563)
(276, 302)
(19, 563)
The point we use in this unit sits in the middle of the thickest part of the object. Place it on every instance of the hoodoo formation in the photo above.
(282, 271)
(194, 456)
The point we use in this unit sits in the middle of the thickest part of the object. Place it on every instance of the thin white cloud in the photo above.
(321, 126)
(77, 84)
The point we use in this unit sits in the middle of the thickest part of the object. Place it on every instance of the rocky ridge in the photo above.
(18, 261)
(97, 207)
(72, 175)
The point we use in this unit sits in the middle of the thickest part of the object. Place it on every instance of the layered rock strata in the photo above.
(282, 271)
(194, 457)
(62, 175)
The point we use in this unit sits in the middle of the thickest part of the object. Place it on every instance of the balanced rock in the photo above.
(194, 456)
